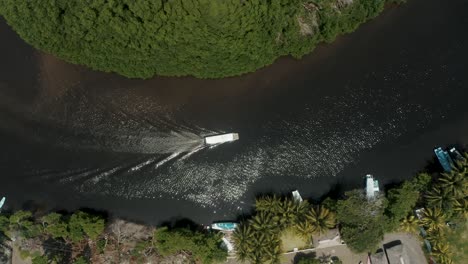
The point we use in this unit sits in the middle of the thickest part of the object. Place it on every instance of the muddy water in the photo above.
(376, 101)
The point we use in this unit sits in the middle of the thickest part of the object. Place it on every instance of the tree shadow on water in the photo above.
(175, 223)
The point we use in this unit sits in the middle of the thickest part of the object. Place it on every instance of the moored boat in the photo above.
(2, 202)
(224, 226)
(444, 159)
(372, 186)
(297, 196)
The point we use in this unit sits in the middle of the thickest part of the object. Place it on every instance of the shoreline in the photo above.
(28, 231)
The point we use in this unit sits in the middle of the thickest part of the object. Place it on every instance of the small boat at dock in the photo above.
(2, 202)
(297, 196)
(444, 159)
(222, 138)
(372, 186)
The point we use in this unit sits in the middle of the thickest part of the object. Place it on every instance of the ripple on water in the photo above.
(319, 143)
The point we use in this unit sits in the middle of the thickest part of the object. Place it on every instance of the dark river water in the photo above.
(375, 101)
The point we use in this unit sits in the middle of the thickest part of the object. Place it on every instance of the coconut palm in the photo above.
(264, 222)
(242, 238)
(409, 224)
(455, 182)
(439, 197)
(435, 237)
(264, 247)
(287, 213)
(301, 209)
(305, 230)
(442, 253)
(460, 206)
(433, 219)
(257, 257)
(268, 203)
(321, 219)
(274, 250)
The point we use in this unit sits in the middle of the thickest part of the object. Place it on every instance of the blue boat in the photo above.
(444, 159)
(224, 226)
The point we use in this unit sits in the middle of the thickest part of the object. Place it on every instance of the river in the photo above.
(375, 101)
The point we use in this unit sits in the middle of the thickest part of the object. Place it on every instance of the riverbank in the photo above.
(215, 40)
(90, 237)
(277, 226)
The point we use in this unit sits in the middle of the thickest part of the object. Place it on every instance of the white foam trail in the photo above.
(197, 149)
(141, 165)
(79, 176)
(214, 146)
(97, 178)
(166, 159)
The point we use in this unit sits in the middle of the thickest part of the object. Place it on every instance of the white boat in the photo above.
(2, 202)
(213, 140)
(372, 186)
(297, 196)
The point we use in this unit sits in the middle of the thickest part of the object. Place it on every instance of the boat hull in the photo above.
(223, 138)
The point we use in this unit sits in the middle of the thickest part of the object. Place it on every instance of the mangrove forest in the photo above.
(201, 38)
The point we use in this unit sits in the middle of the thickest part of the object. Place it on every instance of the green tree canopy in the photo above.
(82, 224)
(362, 221)
(204, 247)
(204, 38)
(55, 226)
(401, 202)
(22, 222)
(40, 260)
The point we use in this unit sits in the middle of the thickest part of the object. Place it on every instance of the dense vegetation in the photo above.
(203, 247)
(443, 197)
(87, 238)
(445, 214)
(203, 38)
(258, 239)
(363, 222)
(84, 237)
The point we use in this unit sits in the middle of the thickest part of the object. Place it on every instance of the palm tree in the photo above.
(435, 237)
(321, 219)
(409, 224)
(257, 257)
(274, 250)
(455, 182)
(268, 203)
(264, 247)
(433, 219)
(264, 222)
(439, 197)
(301, 209)
(242, 238)
(460, 206)
(287, 213)
(305, 230)
(442, 253)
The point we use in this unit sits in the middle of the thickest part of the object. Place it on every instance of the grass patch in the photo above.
(290, 240)
(457, 239)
